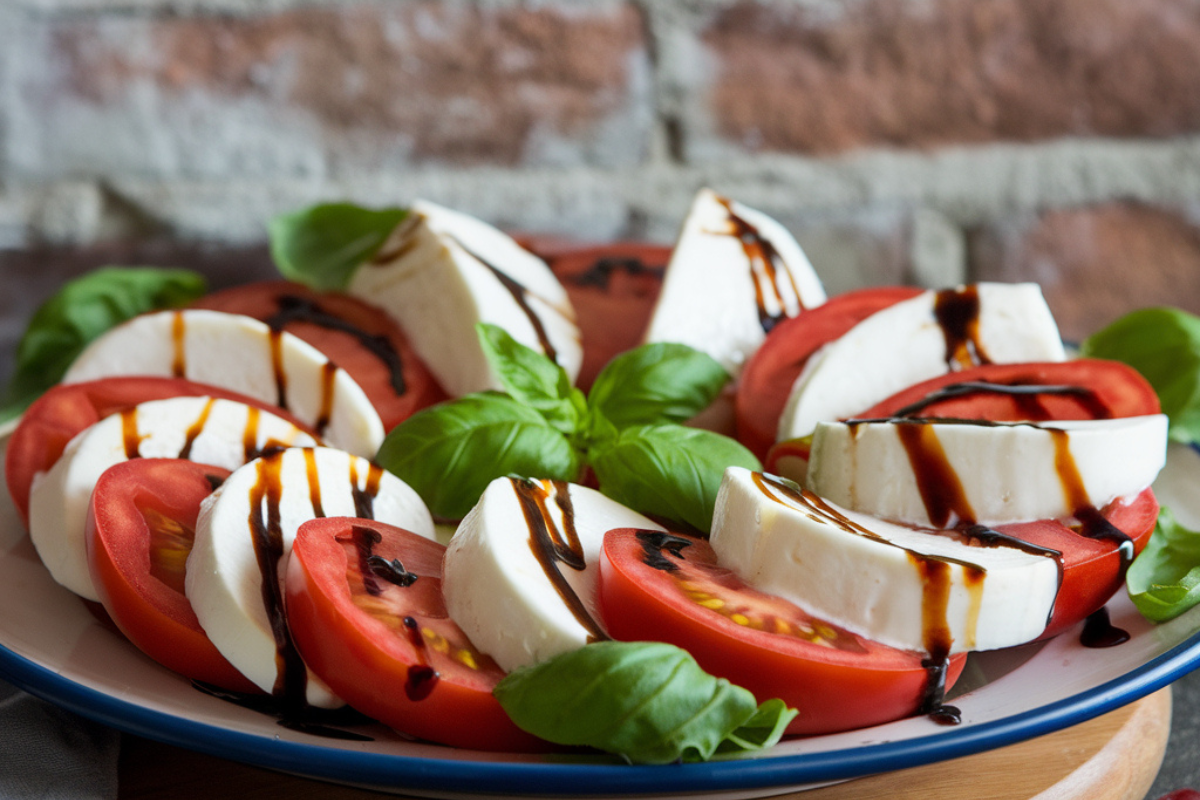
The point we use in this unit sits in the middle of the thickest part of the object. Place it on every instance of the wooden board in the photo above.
(1113, 757)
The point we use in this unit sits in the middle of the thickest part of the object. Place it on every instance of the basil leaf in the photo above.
(669, 470)
(657, 383)
(82, 310)
(321, 246)
(762, 730)
(648, 702)
(450, 452)
(1163, 344)
(1164, 580)
(532, 378)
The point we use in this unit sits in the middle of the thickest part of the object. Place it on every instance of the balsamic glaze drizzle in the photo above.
(600, 273)
(767, 268)
(1098, 631)
(302, 309)
(521, 294)
(655, 542)
(1027, 394)
(553, 546)
(957, 313)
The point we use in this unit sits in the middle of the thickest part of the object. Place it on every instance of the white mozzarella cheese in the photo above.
(243, 355)
(989, 473)
(441, 272)
(519, 576)
(733, 274)
(251, 521)
(202, 429)
(883, 581)
(917, 339)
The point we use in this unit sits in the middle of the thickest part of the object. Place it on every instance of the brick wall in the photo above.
(924, 141)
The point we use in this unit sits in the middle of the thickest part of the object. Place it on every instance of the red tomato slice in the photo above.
(613, 289)
(1092, 568)
(65, 410)
(674, 591)
(358, 337)
(1086, 388)
(364, 604)
(767, 378)
(141, 522)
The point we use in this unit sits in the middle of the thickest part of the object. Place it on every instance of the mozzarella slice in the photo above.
(938, 473)
(519, 576)
(203, 429)
(244, 533)
(243, 355)
(734, 273)
(917, 339)
(442, 271)
(906, 587)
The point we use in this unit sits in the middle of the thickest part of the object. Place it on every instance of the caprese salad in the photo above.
(409, 478)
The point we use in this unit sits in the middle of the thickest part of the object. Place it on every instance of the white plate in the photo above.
(51, 645)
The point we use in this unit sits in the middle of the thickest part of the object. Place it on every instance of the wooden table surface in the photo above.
(1113, 757)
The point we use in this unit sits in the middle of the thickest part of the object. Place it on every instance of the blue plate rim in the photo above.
(401, 772)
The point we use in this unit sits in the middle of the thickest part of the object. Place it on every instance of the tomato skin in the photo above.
(1117, 390)
(1091, 569)
(67, 409)
(262, 301)
(359, 644)
(767, 379)
(613, 289)
(144, 600)
(863, 683)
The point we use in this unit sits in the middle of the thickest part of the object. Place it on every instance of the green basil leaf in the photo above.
(648, 702)
(657, 383)
(532, 378)
(450, 452)
(669, 470)
(321, 246)
(762, 730)
(1163, 344)
(1164, 580)
(82, 310)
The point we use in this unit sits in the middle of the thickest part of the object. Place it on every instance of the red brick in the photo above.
(466, 85)
(918, 74)
(1097, 263)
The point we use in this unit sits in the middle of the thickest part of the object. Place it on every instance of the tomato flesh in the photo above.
(358, 337)
(141, 523)
(613, 289)
(56, 417)
(1092, 569)
(678, 593)
(767, 378)
(364, 604)
(1096, 389)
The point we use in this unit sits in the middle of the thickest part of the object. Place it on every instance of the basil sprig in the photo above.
(648, 702)
(1163, 344)
(82, 310)
(626, 430)
(322, 245)
(1164, 580)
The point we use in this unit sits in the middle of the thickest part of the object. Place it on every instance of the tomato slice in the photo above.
(613, 289)
(360, 338)
(141, 522)
(67, 409)
(364, 604)
(767, 378)
(670, 588)
(1086, 388)
(1093, 569)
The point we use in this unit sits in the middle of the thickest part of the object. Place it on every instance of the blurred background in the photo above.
(925, 141)
(902, 141)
